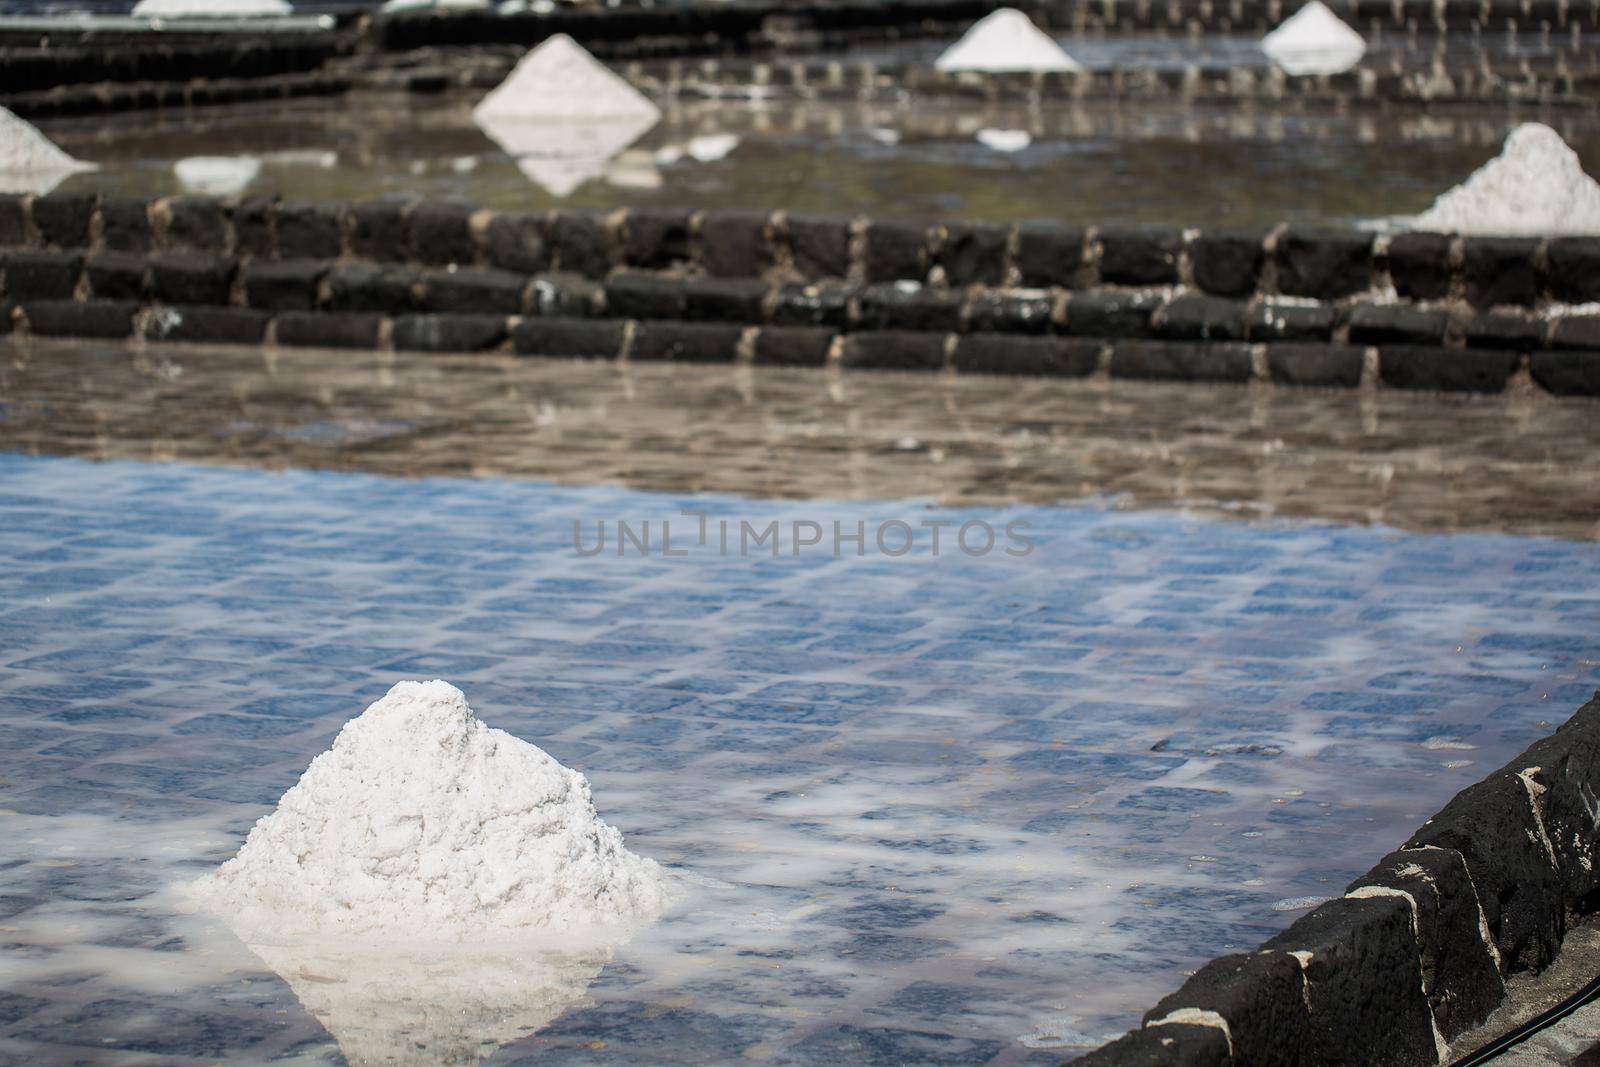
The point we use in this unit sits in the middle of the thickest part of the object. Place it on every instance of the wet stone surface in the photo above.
(936, 809)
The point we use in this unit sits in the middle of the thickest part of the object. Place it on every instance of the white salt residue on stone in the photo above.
(422, 823)
(217, 175)
(1004, 140)
(710, 147)
(1536, 185)
(1314, 41)
(562, 115)
(210, 9)
(29, 161)
(1006, 40)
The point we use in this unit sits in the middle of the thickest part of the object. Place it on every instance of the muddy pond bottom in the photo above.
(982, 805)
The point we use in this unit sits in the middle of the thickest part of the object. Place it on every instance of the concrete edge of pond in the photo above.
(1417, 950)
(1294, 306)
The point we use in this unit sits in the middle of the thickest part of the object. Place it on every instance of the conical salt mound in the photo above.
(24, 150)
(210, 9)
(1314, 41)
(560, 80)
(1536, 185)
(1006, 40)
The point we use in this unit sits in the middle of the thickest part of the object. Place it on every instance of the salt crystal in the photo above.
(1314, 41)
(1536, 185)
(1006, 40)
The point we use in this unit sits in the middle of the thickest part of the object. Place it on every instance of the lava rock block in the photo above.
(42, 275)
(1049, 254)
(474, 292)
(1378, 324)
(1572, 274)
(1460, 974)
(686, 342)
(1576, 331)
(195, 223)
(63, 221)
(378, 230)
(312, 329)
(1323, 264)
(565, 295)
(1168, 1045)
(190, 278)
(214, 325)
(308, 231)
(972, 254)
(644, 296)
(1419, 265)
(14, 221)
(582, 244)
(812, 305)
(1099, 313)
(116, 276)
(1228, 263)
(1564, 766)
(896, 251)
(793, 346)
(1291, 322)
(448, 333)
(442, 234)
(1364, 983)
(1494, 827)
(1000, 312)
(1140, 257)
(735, 244)
(1202, 318)
(819, 245)
(1499, 270)
(1568, 373)
(108, 319)
(253, 223)
(1001, 353)
(596, 338)
(906, 307)
(1519, 333)
(361, 287)
(1262, 997)
(893, 350)
(1315, 364)
(282, 285)
(725, 300)
(655, 238)
(1182, 361)
(1466, 370)
(517, 242)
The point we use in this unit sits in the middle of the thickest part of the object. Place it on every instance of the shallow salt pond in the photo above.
(930, 809)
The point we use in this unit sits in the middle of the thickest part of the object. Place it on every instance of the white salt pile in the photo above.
(1004, 140)
(217, 175)
(1536, 185)
(1006, 40)
(1314, 41)
(29, 161)
(210, 9)
(561, 114)
(423, 823)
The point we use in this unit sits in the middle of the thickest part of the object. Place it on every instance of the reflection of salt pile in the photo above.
(1536, 185)
(1005, 40)
(383, 1006)
(562, 115)
(181, 9)
(421, 821)
(1314, 41)
(29, 161)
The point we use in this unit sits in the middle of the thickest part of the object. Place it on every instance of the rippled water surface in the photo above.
(963, 809)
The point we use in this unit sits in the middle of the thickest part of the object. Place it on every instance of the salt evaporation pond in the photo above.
(953, 809)
(1096, 163)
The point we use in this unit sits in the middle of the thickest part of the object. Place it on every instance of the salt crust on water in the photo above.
(422, 823)
(1005, 40)
(1314, 41)
(1536, 185)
